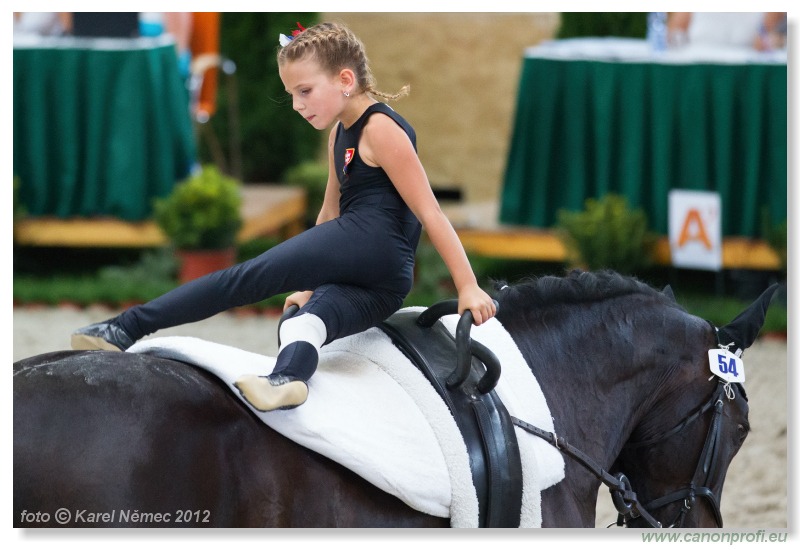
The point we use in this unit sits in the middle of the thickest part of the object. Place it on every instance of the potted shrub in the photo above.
(201, 218)
(607, 234)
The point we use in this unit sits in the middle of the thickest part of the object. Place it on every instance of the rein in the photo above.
(618, 484)
(622, 494)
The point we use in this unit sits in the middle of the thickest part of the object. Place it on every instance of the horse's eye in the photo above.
(743, 430)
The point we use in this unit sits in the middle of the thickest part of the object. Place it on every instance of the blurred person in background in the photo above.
(47, 23)
(759, 30)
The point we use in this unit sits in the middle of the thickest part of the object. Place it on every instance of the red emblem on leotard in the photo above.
(348, 157)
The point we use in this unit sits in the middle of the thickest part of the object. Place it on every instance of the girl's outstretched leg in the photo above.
(290, 265)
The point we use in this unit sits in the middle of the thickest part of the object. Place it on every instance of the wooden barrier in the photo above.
(480, 234)
(266, 210)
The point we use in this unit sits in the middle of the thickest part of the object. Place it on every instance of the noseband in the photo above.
(625, 498)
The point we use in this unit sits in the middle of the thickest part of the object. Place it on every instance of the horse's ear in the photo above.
(743, 330)
(668, 293)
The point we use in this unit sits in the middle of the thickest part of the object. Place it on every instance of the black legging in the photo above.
(360, 266)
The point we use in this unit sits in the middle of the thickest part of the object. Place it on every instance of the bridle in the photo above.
(622, 494)
(707, 464)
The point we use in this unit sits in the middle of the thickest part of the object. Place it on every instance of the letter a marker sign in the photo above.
(695, 229)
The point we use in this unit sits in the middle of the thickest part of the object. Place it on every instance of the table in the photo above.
(101, 126)
(597, 116)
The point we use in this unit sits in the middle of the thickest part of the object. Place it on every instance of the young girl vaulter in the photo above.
(355, 266)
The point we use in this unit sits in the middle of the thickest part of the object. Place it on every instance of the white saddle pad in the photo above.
(372, 411)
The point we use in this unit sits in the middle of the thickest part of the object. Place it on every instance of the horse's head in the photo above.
(678, 456)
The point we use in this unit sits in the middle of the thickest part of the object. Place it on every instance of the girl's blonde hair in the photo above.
(335, 47)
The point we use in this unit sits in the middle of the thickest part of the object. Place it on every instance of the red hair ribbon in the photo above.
(284, 40)
(300, 28)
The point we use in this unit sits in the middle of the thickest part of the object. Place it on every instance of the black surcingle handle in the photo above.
(465, 346)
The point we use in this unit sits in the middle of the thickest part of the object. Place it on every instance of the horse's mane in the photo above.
(575, 287)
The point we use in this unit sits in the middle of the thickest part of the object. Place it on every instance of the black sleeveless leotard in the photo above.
(360, 264)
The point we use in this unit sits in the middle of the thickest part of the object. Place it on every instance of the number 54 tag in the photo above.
(726, 365)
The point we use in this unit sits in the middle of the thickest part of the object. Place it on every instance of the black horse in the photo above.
(124, 439)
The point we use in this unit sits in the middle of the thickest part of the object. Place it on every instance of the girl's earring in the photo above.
(346, 94)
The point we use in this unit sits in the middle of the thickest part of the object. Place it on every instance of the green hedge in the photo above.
(273, 137)
(626, 24)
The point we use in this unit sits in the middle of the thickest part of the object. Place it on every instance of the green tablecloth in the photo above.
(101, 127)
(640, 127)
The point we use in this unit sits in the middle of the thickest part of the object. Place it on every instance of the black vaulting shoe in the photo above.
(106, 335)
(273, 392)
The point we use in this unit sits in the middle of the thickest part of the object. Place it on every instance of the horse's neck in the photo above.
(592, 392)
(598, 380)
